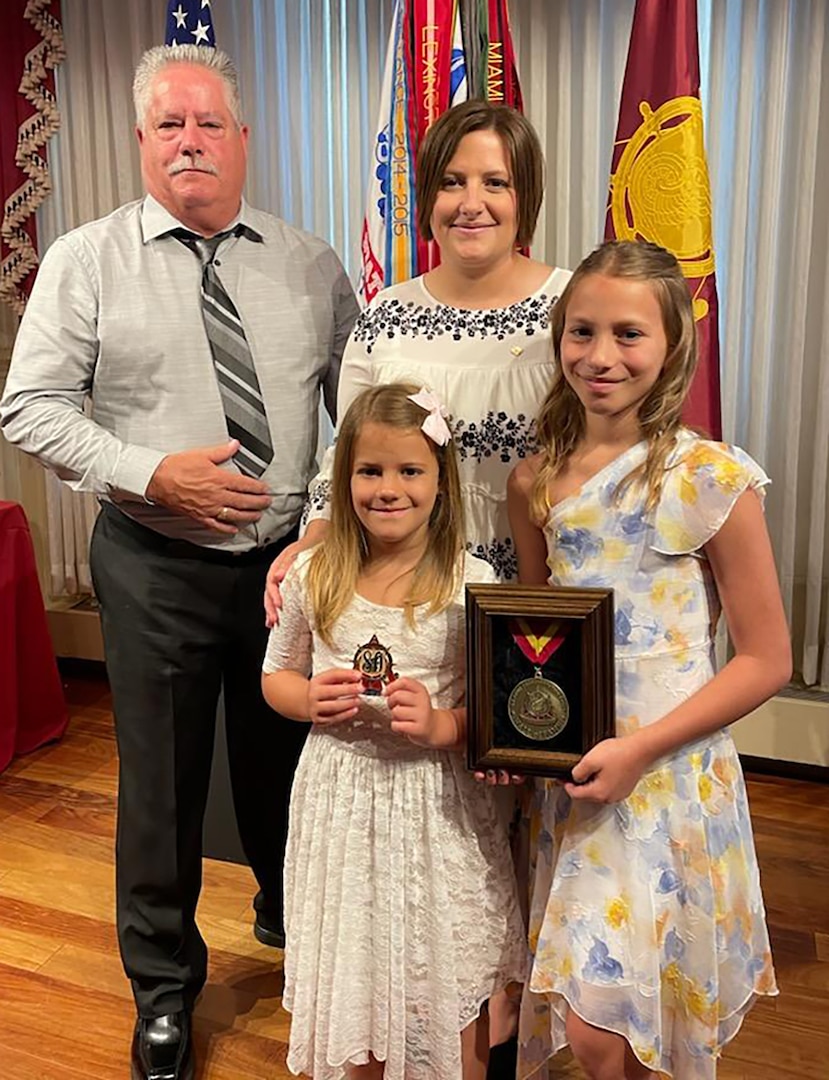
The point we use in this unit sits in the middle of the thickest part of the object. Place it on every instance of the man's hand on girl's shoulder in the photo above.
(282, 564)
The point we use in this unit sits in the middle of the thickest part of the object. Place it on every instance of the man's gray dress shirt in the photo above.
(115, 318)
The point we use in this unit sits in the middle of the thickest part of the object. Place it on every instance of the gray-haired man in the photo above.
(204, 356)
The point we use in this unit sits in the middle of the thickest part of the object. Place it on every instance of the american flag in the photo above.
(190, 22)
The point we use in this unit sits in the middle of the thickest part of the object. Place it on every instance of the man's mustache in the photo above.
(192, 165)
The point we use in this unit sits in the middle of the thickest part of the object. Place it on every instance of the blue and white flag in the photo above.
(190, 22)
(424, 66)
(458, 81)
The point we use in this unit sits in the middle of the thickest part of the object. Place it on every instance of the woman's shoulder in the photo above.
(477, 571)
(554, 282)
(403, 292)
(405, 295)
(403, 309)
(544, 285)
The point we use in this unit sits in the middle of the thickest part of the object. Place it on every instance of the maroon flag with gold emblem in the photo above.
(659, 188)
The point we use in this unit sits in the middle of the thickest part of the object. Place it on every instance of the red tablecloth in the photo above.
(32, 707)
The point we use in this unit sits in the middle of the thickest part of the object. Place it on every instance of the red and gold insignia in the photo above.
(374, 662)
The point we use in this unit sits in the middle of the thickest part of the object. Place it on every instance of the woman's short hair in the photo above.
(521, 145)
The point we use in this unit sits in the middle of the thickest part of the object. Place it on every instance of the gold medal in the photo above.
(538, 708)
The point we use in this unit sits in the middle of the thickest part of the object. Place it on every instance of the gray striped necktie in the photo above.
(238, 384)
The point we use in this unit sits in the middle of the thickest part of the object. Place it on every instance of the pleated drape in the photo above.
(310, 77)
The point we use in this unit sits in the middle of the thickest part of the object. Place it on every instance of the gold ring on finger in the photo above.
(222, 514)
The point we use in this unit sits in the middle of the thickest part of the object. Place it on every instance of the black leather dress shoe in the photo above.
(162, 1048)
(268, 928)
(268, 932)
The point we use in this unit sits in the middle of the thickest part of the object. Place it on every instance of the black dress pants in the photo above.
(179, 622)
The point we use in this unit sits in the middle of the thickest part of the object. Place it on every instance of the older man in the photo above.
(202, 332)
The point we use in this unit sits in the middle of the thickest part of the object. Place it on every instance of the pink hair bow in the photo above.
(434, 425)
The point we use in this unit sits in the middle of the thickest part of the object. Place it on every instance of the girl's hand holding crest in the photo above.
(332, 696)
(413, 716)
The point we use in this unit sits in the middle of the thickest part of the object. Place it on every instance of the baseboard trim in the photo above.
(789, 770)
(76, 631)
(785, 730)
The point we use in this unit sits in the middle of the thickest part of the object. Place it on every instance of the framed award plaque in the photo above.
(540, 676)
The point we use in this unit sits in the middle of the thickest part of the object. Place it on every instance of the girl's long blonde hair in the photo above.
(561, 421)
(335, 565)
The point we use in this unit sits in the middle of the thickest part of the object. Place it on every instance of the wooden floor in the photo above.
(65, 1006)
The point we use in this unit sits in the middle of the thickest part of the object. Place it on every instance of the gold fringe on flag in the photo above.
(32, 137)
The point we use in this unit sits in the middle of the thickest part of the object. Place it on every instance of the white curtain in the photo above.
(95, 168)
(571, 61)
(768, 137)
(765, 88)
(310, 75)
(310, 79)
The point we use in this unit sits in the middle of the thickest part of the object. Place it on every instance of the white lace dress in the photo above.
(401, 909)
(491, 368)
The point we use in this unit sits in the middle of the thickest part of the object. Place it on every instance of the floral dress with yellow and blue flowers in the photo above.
(647, 917)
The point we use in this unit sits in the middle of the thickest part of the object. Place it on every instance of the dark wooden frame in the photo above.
(593, 608)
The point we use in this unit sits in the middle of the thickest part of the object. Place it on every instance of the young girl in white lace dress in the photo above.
(647, 918)
(401, 909)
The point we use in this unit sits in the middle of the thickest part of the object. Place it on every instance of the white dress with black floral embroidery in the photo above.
(401, 907)
(491, 368)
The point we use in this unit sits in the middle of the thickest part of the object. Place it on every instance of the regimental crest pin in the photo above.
(375, 664)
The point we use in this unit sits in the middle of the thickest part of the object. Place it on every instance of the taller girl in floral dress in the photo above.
(647, 920)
